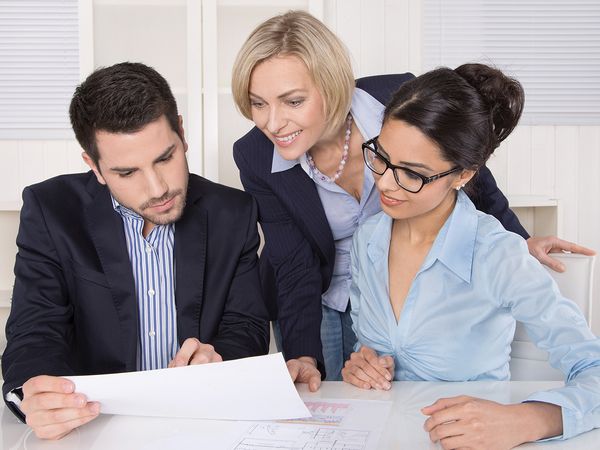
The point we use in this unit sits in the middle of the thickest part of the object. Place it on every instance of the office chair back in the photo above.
(529, 362)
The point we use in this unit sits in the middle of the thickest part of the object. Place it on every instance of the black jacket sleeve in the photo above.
(488, 198)
(295, 267)
(244, 328)
(39, 329)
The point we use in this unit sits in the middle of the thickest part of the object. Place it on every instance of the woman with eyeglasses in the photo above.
(437, 285)
(303, 164)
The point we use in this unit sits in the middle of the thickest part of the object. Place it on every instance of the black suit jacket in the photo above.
(297, 260)
(74, 307)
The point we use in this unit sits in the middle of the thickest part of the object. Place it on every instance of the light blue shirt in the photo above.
(344, 213)
(153, 272)
(458, 319)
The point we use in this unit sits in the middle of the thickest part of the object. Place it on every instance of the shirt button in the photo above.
(151, 334)
(148, 249)
(151, 292)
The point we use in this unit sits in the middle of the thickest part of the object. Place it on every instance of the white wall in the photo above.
(383, 36)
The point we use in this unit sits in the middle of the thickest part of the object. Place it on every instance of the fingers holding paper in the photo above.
(304, 370)
(367, 370)
(193, 351)
(53, 408)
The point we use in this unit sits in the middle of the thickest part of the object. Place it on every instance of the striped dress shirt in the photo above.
(153, 271)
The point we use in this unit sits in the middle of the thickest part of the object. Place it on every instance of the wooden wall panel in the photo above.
(55, 158)
(543, 160)
(397, 36)
(372, 37)
(519, 168)
(567, 143)
(9, 172)
(75, 162)
(498, 164)
(348, 29)
(330, 14)
(9, 224)
(415, 37)
(588, 199)
(31, 162)
(588, 184)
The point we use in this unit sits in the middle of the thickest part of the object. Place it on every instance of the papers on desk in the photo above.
(336, 424)
(258, 388)
(240, 394)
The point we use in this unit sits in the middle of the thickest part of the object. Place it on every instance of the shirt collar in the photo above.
(280, 164)
(116, 205)
(123, 210)
(379, 241)
(454, 245)
(367, 113)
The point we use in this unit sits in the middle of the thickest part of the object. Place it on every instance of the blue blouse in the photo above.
(458, 319)
(344, 213)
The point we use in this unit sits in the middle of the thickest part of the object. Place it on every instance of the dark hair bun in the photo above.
(503, 95)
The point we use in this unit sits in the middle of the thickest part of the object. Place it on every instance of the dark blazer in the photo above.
(297, 260)
(74, 308)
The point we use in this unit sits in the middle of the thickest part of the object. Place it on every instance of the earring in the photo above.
(458, 188)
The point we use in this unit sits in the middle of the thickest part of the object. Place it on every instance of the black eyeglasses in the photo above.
(407, 179)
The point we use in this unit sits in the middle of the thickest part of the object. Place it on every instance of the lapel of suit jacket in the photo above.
(106, 230)
(190, 259)
(307, 208)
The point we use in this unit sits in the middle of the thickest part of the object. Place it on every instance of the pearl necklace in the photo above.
(342, 165)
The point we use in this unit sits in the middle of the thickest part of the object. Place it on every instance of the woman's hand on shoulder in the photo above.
(468, 422)
(541, 247)
(367, 370)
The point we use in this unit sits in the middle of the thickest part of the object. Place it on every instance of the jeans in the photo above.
(337, 339)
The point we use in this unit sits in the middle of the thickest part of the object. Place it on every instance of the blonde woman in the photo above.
(303, 164)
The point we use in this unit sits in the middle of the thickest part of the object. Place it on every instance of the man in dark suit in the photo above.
(135, 265)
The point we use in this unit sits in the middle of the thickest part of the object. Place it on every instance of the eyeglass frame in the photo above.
(366, 147)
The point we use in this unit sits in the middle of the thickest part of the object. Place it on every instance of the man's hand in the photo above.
(195, 352)
(540, 247)
(304, 370)
(53, 408)
(367, 370)
(467, 422)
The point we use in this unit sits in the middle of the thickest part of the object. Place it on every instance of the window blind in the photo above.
(39, 67)
(552, 47)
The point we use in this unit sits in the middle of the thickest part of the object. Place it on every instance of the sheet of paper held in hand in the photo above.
(258, 388)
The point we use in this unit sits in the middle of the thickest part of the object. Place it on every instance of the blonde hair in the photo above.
(299, 34)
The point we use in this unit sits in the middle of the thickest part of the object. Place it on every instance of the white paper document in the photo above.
(258, 388)
(336, 424)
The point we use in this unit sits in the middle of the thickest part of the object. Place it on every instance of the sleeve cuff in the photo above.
(13, 401)
(571, 418)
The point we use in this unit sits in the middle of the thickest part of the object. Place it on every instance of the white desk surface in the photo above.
(404, 428)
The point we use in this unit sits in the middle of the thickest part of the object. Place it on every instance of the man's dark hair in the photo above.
(120, 99)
